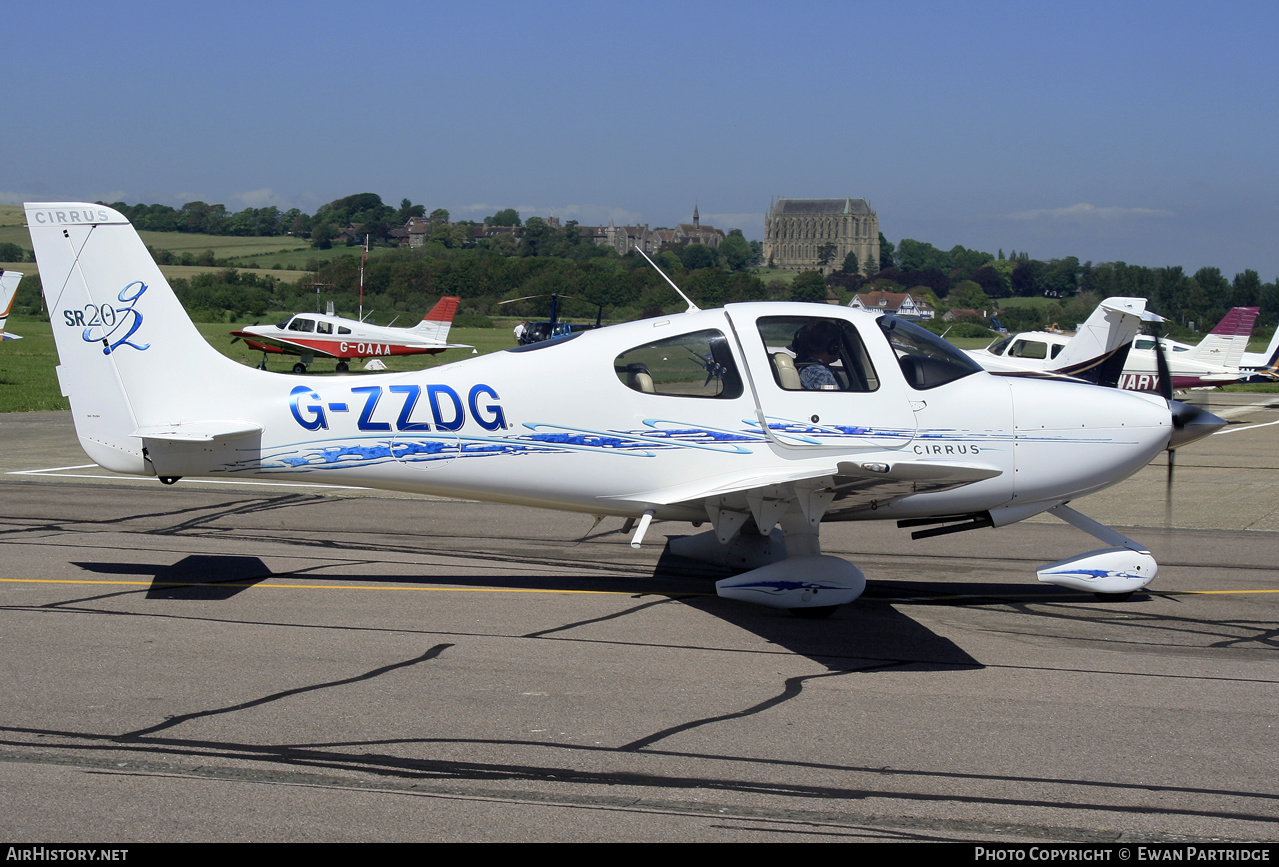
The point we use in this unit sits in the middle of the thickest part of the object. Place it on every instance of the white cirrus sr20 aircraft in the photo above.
(708, 416)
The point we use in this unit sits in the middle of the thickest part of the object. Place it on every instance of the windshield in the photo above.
(926, 360)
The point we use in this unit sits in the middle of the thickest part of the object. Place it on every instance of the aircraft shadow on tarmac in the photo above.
(198, 576)
(855, 639)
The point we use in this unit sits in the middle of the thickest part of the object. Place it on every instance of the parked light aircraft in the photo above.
(697, 417)
(1262, 366)
(9, 281)
(1215, 361)
(1098, 347)
(312, 334)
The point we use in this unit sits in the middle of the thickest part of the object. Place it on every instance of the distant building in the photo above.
(624, 239)
(696, 233)
(418, 230)
(795, 229)
(894, 303)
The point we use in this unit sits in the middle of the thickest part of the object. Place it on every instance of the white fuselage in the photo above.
(559, 426)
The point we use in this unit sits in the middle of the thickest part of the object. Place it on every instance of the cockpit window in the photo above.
(1029, 349)
(301, 324)
(816, 353)
(926, 360)
(699, 364)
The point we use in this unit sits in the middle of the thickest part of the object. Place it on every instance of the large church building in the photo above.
(795, 228)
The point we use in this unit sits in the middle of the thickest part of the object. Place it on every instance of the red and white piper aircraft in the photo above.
(9, 281)
(696, 417)
(312, 334)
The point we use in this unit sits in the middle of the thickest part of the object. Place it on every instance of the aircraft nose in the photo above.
(1190, 423)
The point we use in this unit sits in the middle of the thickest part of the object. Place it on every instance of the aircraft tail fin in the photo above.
(9, 281)
(436, 323)
(1226, 343)
(1272, 351)
(130, 357)
(1099, 348)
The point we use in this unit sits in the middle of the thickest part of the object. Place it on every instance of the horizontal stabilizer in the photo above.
(198, 431)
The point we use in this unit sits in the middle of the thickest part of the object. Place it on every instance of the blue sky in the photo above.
(1134, 131)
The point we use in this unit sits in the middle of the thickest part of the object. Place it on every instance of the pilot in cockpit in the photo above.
(816, 348)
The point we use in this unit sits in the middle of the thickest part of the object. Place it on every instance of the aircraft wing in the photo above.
(841, 486)
(283, 345)
(438, 346)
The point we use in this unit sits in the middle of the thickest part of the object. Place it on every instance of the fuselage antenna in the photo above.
(692, 308)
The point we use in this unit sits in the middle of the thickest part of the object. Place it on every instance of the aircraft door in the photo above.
(822, 384)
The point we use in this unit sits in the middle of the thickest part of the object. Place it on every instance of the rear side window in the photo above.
(699, 364)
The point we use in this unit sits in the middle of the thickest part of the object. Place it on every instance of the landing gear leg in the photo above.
(793, 574)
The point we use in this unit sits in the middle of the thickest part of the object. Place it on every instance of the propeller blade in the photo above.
(1161, 364)
(1189, 423)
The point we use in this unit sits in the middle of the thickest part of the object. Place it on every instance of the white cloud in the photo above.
(1085, 211)
(262, 198)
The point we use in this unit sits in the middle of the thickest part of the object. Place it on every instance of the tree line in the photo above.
(543, 259)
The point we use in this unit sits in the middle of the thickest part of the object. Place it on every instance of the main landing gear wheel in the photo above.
(299, 368)
(343, 367)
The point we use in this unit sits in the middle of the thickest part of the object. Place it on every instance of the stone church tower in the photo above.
(795, 228)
